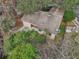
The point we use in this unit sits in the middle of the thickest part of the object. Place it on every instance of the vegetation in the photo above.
(29, 6)
(75, 51)
(22, 37)
(24, 51)
(69, 4)
(36, 37)
(77, 38)
(66, 4)
(60, 34)
(8, 23)
(62, 28)
(69, 15)
(75, 46)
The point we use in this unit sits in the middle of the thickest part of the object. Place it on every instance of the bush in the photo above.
(14, 40)
(69, 15)
(37, 38)
(24, 51)
(22, 37)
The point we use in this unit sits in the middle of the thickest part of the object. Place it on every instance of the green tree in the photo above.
(22, 37)
(24, 51)
(8, 23)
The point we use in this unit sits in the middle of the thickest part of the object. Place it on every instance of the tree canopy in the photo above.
(24, 51)
(22, 37)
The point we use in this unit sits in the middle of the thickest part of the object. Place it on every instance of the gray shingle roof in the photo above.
(46, 20)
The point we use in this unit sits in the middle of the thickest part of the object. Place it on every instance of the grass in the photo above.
(59, 36)
(69, 15)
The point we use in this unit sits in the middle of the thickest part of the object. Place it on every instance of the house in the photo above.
(41, 20)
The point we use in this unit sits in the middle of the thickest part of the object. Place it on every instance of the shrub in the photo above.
(22, 37)
(69, 15)
(37, 38)
(14, 40)
(24, 51)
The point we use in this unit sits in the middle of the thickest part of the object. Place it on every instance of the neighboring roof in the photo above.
(45, 20)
